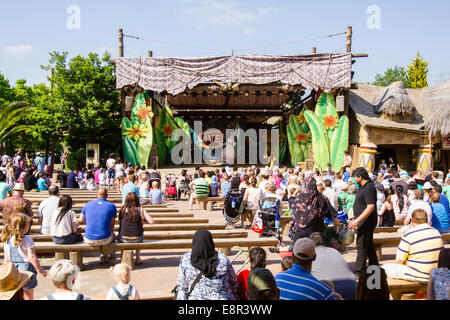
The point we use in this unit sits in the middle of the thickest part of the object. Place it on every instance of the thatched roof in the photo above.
(395, 103)
(432, 105)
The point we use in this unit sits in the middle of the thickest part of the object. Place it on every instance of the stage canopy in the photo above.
(326, 71)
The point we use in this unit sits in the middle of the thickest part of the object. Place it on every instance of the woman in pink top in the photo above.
(400, 203)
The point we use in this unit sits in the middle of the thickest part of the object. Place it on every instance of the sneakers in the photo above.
(103, 258)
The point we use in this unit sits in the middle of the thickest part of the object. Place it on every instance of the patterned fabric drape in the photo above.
(325, 71)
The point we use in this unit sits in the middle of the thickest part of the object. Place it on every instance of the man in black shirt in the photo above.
(365, 218)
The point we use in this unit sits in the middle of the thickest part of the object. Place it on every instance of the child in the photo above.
(342, 198)
(331, 285)
(286, 263)
(42, 183)
(90, 181)
(214, 187)
(81, 180)
(19, 250)
(352, 189)
(144, 189)
(226, 184)
(381, 197)
(123, 290)
(102, 177)
(155, 194)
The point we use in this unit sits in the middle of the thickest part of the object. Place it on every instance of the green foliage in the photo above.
(10, 116)
(76, 158)
(6, 92)
(299, 138)
(417, 72)
(392, 75)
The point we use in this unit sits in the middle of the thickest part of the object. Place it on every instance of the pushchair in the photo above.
(153, 176)
(171, 191)
(233, 206)
(184, 188)
(270, 212)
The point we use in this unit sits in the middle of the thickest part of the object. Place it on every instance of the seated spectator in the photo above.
(16, 204)
(211, 271)
(4, 187)
(439, 280)
(63, 275)
(131, 217)
(42, 183)
(130, 187)
(364, 292)
(418, 203)
(417, 252)
(262, 285)
(199, 189)
(46, 209)
(144, 188)
(442, 198)
(440, 219)
(99, 216)
(331, 265)
(123, 290)
(298, 283)
(12, 281)
(214, 187)
(386, 213)
(72, 180)
(331, 285)
(400, 202)
(64, 224)
(257, 257)
(286, 263)
(155, 194)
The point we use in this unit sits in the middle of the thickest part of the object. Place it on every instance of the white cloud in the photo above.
(19, 50)
(249, 31)
(205, 13)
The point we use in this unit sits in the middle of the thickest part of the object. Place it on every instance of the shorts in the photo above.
(111, 173)
(101, 242)
(69, 239)
(32, 282)
(141, 238)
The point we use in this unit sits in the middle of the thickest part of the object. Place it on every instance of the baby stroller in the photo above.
(233, 206)
(171, 187)
(270, 212)
(153, 176)
(184, 188)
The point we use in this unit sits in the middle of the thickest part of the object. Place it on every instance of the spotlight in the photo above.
(247, 93)
(236, 94)
(215, 93)
(194, 94)
(280, 93)
(269, 93)
(257, 93)
(204, 93)
(302, 93)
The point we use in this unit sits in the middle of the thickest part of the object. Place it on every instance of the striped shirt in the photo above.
(420, 249)
(201, 187)
(400, 214)
(298, 283)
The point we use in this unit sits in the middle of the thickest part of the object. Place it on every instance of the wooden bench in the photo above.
(149, 209)
(399, 287)
(210, 201)
(390, 239)
(76, 250)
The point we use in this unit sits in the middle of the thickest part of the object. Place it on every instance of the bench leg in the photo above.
(378, 252)
(127, 258)
(61, 255)
(77, 259)
(209, 206)
(226, 251)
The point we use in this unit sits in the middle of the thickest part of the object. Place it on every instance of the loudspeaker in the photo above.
(340, 103)
(128, 103)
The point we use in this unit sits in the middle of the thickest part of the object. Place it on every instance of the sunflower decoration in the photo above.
(168, 130)
(135, 132)
(144, 113)
(329, 122)
(302, 137)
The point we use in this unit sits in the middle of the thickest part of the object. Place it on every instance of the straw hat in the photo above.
(19, 187)
(12, 280)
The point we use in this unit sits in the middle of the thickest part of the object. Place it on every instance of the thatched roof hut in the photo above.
(437, 120)
(394, 103)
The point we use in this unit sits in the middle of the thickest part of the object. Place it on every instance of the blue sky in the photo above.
(31, 29)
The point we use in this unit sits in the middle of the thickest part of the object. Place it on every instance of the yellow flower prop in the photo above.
(136, 131)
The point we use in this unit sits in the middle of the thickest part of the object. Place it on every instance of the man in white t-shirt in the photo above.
(5, 160)
(111, 175)
(418, 203)
(46, 209)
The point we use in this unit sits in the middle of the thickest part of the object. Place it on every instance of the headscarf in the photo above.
(310, 204)
(203, 254)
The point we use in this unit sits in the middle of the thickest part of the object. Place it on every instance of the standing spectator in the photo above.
(102, 177)
(257, 258)
(398, 181)
(252, 196)
(400, 202)
(262, 285)
(5, 159)
(225, 184)
(64, 224)
(205, 273)
(90, 181)
(347, 159)
(331, 265)
(124, 290)
(72, 180)
(330, 193)
(439, 280)
(214, 187)
(130, 187)
(417, 252)
(12, 281)
(16, 204)
(10, 176)
(99, 216)
(19, 250)
(131, 217)
(365, 218)
(63, 275)
(4, 187)
(17, 165)
(110, 165)
(47, 208)
(298, 283)
(386, 213)
(39, 162)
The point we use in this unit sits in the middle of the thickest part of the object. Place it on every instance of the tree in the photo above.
(391, 75)
(6, 92)
(417, 72)
(10, 116)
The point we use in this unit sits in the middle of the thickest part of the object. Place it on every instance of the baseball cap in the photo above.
(427, 186)
(261, 284)
(380, 187)
(304, 249)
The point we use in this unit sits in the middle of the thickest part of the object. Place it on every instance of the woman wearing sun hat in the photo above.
(12, 281)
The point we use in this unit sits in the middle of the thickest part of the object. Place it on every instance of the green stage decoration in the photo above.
(299, 138)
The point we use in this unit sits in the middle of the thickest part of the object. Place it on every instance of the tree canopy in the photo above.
(391, 75)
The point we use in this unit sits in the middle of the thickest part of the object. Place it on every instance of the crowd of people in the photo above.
(316, 199)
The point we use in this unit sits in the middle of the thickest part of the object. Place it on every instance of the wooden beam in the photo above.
(349, 39)
(360, 55)
(120, 43)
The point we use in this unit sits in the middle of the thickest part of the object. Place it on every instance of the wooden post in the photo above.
(150, 53)
(127, 258)
(59, 256)
(314, 50)
(349, 39)
(120, 43)
(77, 259)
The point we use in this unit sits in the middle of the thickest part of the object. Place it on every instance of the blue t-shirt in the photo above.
(298, 283)
(71, 182)
(127, 188)
(39, 162)
(42, 184)
(156, 196)
(440, 218)
(444, 201)
(4, 189)
(98, 214)
(346, 176)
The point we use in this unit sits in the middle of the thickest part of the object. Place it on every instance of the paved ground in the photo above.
(158, 274)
